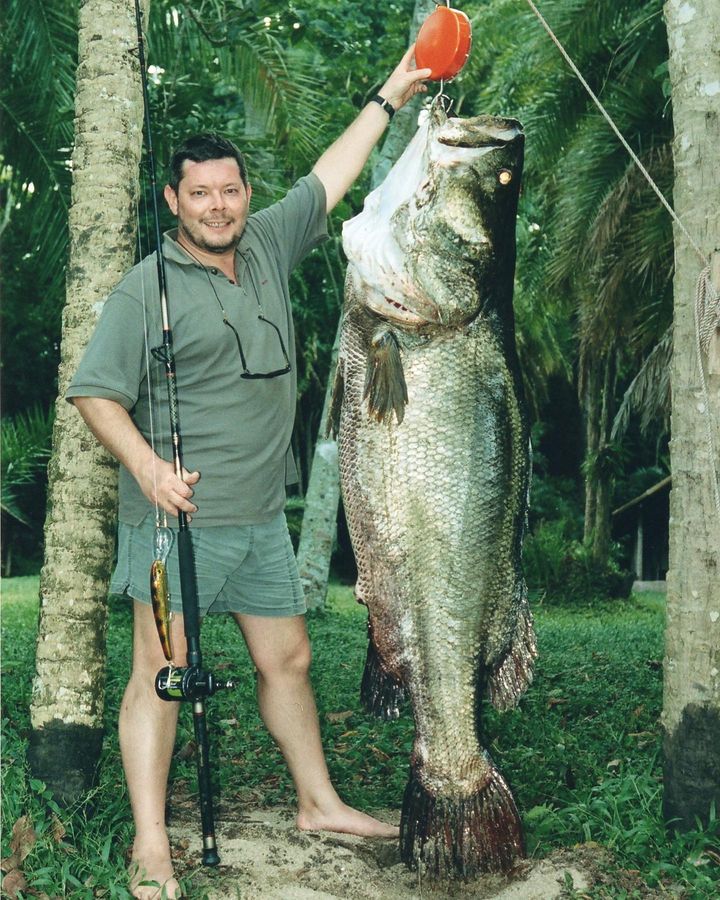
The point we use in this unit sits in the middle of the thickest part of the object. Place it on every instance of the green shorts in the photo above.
(240, 568)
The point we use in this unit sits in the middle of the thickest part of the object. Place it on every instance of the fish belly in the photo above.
(436, 507)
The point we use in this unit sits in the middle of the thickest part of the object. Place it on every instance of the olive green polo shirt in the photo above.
(236, 432)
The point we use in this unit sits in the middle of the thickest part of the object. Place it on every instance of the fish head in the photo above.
(458, 228)
(435, 243)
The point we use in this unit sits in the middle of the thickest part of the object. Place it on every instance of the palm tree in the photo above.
(68, 688)
(607, 255)
(691, 703)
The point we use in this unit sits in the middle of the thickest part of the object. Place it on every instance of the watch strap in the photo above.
(381, 101)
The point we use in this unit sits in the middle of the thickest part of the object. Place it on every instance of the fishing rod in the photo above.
(190, 683)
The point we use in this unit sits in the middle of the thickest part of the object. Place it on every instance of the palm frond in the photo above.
(25, 441)
(648, 392)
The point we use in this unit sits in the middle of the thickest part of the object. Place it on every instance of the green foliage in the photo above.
(582, 751)
(26, 440)
(25, 452)
(599, 257)
(566, 572)
(39, 44)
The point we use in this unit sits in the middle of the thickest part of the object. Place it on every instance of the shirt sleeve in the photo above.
(113, 364)
(298, 222)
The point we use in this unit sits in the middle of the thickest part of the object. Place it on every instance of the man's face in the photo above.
(211, 203)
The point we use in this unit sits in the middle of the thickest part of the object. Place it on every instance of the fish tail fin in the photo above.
(454, 837)
(510, 678)
(380, 692)
(385, 386)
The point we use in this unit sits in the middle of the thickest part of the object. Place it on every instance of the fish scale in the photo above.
(435, 483)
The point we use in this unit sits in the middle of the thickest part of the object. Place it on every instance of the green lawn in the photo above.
(581, 752)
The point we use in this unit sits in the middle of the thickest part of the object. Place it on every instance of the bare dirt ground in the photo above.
(265, 857)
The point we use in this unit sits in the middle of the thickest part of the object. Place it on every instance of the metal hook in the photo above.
(442, 99)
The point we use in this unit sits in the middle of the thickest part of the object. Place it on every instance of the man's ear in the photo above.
(171, 199)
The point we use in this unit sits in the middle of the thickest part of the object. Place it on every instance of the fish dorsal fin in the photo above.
(385, 387)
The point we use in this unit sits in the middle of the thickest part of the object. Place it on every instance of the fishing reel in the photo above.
(188, 683)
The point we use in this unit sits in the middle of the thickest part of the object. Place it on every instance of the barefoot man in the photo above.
(227, 275)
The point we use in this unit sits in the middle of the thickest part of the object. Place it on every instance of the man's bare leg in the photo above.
(280, 649)
(147, 735)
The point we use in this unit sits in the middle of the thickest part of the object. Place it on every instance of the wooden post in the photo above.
(714, 347)
(639, 573)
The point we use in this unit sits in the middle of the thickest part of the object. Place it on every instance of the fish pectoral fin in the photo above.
(510, 678)
(385, 387)
(336, 402)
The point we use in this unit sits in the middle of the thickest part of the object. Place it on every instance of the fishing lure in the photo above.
(159, 589)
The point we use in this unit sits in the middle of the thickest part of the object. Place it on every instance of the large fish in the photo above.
(434, 460)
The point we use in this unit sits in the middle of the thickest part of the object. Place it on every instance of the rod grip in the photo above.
(188, 588)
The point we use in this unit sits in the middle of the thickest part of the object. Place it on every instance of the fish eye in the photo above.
(504, 176)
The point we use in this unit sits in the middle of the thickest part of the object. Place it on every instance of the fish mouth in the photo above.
(411, 310)
(480, 133)
(397, 311)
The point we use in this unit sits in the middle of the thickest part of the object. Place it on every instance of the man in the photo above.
(233, 340)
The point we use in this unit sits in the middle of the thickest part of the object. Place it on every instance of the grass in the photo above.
(582, 752)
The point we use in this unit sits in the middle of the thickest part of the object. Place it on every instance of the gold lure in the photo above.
(159, 588)
(161, 604)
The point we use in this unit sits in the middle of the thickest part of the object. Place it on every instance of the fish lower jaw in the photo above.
(396, 311)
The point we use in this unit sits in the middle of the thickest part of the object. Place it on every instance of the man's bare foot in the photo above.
(346, 820)
(152, 877)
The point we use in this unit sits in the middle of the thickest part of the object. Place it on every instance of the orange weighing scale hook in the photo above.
(443, 43)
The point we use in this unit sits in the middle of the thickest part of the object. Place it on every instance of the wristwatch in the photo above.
(381, 101)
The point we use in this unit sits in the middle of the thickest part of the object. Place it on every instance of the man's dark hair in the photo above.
(201, 148)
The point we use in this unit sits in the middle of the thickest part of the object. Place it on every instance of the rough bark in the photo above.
(69, 683)
(604, 478)
(319, 524)
(691, 711)
(590, 401)
(599, 383)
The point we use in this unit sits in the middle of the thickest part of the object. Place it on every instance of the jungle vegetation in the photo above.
(593, 299)
(593, 306)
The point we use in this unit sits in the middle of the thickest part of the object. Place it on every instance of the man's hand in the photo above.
(405, 81)
(161, 485)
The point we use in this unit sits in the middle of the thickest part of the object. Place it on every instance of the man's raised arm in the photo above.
(343, 161)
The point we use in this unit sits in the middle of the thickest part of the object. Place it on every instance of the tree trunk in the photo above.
(604, 476)
(69, 684)
(319, 523)
(590, 403)
(691, 710)
(598, 401)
